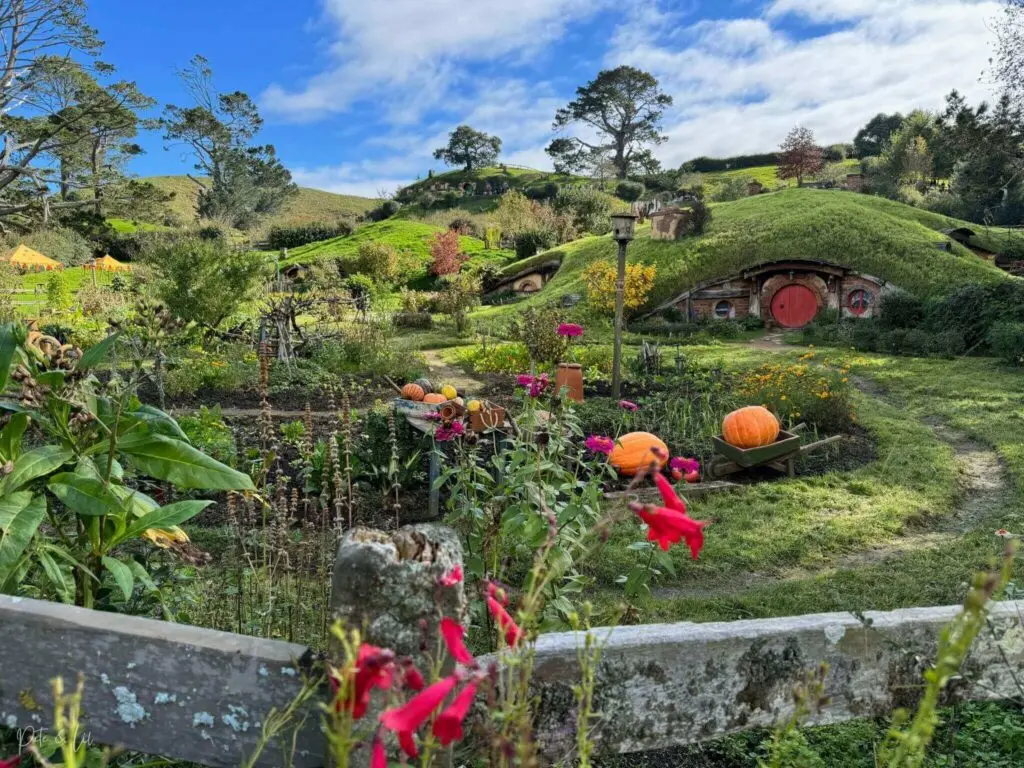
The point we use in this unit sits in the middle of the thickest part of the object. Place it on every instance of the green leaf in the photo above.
(85, 496)
(142, 575)
(56, 576)
(35, 463)
(179, 463)
(122, 575)
(8, 345)
(18, 529)
(159, 423)
(10, 437)
(96, 354)
(166, 517)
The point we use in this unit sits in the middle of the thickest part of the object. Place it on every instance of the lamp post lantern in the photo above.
(623, 225)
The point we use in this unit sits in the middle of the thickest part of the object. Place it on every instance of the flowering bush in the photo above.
(819, 396)
(600, 278)
(444, 253)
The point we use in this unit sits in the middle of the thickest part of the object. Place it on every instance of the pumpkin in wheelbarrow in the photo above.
(750, 427)
(636, 451)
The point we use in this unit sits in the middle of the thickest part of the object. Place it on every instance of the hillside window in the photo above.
(859, 301)
(723, 310)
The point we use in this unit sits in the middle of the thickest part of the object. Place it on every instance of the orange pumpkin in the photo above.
(750, 427)
(636, 451)
(434, 399)
(412, 392)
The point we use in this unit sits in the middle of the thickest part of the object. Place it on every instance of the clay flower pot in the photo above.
(570, 375)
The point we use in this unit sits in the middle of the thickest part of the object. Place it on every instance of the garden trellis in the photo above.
(203, 695)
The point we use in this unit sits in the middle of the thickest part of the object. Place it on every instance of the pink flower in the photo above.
(411, 715)
(600, 444)
(570, 329)
(453, 577)
(448, 725)
(455, 640)
(1005, 534)
(626, 405)
(408, 744)
(445, 433)
(432, 416)
(374, 668)
(688, 469)
(539, 385)
(524, 379)
(412, 678)
(11, 762)
(379, 758)
(507, 625)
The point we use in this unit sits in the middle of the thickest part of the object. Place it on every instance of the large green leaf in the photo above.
(159, 423)
(86, 496)
(166, 517)
(35, 463)
(179, 463)
(96, 354)
(19, 527)
(8, 345)
(122, 575)
(56, 576)
(10, 436)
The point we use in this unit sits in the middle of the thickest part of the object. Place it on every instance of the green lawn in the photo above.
(805, 545)
(889, 240)
(766, 174)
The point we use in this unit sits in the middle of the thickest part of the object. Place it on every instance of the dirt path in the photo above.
(771, 342)
(985, 485)
(443, 373)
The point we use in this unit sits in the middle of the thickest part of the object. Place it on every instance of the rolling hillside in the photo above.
(309, 205)
(880, 237)
(766, 174)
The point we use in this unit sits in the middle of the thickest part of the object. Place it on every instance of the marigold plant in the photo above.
(600, 278)
(817, 395)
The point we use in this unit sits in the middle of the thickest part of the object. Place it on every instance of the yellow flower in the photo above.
(783, 397)
(164, 538)
(845, 380)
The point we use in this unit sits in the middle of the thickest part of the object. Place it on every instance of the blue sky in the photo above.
(356, 94)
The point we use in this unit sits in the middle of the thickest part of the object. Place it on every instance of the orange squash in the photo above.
(636, 451)
(412, 392)
(750, 427)
(434, 399)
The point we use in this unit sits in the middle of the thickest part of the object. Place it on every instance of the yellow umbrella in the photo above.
(109, 264)
(28, 259)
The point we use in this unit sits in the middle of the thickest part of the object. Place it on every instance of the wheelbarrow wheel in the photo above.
(718, 468)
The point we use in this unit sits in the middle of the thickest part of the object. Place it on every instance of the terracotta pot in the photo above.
(491, 418)
(570, 375)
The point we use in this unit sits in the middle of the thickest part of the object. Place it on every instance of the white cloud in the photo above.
(741, 84)
(406, 54)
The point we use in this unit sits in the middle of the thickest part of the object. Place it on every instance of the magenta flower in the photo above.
(685, 469)
(572, 330)
(446, 433)
(600, 444)
(538, 385)
(524, 379)
(628, 406)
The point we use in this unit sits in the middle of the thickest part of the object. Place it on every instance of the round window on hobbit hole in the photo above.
(859, 301)
(723, 310)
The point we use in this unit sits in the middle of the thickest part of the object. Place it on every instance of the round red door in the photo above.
(794, 306)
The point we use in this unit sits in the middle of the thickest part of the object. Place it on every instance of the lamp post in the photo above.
(623, 225)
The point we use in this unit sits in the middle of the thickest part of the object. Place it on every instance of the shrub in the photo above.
(537, 329)
(968, 309)
(414, 320)
(865, 336)
(732, 189)
(464, 226)
(1006, 341)
(369, 348)
(546, 191)
(509, 357)
(899, 309)
(58, 297)
(629, 190)
(413, 301)
(588, 209)
(948, 344)
(444, 253)
(379, 261)
(892, 341)
(293, 237)
(461, 292)
(64, 245)
(528, 242)
(600, 278)
(207, 431)
(814, 394)
(917, 342)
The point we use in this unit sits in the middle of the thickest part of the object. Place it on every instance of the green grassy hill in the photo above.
(409, 238)
(309, 205)
(766, 174)
(880, 237)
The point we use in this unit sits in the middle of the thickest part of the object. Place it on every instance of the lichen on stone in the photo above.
(128, 707)
(202, 718)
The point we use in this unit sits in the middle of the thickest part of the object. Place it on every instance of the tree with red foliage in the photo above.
(799, 156)
(444, 249)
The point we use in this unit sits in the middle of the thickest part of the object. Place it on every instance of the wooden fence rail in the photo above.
(202, 695)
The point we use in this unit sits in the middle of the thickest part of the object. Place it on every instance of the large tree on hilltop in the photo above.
(470, 148)
(799, 155)
(244, 181)
(624, 106)
(870, 139)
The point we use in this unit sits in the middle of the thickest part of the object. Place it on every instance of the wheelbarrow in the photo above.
(780, 455)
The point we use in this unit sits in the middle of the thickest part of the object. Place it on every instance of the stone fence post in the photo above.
(387, 584)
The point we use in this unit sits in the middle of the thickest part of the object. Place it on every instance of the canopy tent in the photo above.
(108, 264)
(32, 261)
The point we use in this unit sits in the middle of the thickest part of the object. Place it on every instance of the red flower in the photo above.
(453, 577)
(669, 524)
(408, 744)
(411, 715)
(379, 758)
(454, 638)
(412, 678)
(513, 634)
(571, 330)
(11, 762)
(374, 669)
(497, 592)
(448, 726)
